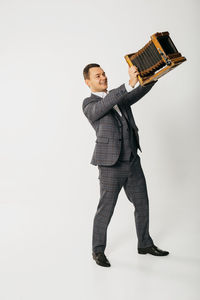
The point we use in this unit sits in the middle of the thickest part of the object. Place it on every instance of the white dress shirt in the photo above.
(128, 87)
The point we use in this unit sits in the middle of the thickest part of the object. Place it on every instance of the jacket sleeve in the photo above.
(96, 109)
(137, 93)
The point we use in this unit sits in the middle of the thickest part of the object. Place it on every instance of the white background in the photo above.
(49, 191)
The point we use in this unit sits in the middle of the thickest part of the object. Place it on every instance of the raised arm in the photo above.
(96, 109)
(137, 93)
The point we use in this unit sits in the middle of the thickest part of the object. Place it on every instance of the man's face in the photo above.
(98, 80)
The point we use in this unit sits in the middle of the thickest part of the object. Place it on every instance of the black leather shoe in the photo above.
(101, 259)
(152, 250)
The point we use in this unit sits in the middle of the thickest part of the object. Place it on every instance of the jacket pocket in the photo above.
(102, 139)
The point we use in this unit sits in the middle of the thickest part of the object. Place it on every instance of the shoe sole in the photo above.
(144, 252)
(106, 266)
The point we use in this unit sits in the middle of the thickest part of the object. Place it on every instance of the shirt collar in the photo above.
(100, 94)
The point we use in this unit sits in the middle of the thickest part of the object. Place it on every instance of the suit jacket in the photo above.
(106, 121)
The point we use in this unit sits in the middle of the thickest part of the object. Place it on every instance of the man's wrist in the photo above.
(129, 87)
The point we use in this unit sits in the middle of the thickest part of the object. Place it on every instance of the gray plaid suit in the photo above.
(115, 173)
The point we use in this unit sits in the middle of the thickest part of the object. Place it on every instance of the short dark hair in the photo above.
(87, 69)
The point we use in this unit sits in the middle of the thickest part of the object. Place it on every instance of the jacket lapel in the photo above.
(124, 112)
(129, 116)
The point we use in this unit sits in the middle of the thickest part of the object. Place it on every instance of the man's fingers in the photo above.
(135, 73)
(133, 69)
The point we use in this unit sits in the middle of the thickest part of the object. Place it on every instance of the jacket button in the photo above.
(120, 139)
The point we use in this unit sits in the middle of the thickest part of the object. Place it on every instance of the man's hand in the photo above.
(133, 73)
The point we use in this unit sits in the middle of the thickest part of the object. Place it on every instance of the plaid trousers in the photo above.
(130, 176)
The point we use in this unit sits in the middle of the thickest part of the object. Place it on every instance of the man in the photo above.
(116, 156)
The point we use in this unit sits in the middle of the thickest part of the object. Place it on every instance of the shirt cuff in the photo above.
(129, 88)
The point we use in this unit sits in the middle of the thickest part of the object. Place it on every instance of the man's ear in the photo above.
(87, 81)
